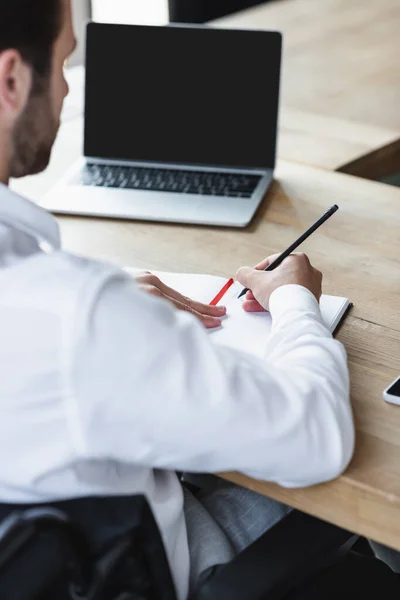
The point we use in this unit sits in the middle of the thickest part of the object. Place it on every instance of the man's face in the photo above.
(37, 126)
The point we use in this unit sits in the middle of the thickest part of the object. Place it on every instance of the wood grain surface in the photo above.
(340, 81)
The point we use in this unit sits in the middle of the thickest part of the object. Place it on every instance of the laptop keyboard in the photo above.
(170, 180)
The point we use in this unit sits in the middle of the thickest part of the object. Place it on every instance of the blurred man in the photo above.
(107, 389)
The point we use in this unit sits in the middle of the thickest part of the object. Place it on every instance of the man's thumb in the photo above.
(246, 276)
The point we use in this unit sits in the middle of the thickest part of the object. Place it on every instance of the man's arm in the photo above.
(151, 389)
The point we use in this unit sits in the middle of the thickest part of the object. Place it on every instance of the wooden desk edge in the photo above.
(376, 164)
(312, 501)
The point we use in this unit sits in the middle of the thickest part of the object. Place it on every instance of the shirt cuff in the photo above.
(293, 297)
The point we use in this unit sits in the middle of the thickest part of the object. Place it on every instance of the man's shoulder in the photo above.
(59, 280)
(77, 270)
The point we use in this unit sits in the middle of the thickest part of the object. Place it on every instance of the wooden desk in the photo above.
(341, 81)
(358, 253)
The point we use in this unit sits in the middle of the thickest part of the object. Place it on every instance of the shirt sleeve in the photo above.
(152, 389)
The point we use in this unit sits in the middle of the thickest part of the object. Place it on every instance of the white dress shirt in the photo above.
(105, 390)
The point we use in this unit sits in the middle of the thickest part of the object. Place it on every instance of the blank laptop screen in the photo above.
(182, 95)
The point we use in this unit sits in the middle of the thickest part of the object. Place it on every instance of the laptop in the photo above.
(180, 125)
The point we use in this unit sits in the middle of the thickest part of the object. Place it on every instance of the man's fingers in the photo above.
(206, 309)
(252, 306)
(152, 280)
(303, 256)
(266, 262)
(270, 259)
(208, 321)
(245, 276)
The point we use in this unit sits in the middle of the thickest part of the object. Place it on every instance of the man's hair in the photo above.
(31, 27)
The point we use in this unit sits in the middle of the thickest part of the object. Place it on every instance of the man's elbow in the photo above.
(329, 451)
(345, 452)
(338, 442)
(326, 464)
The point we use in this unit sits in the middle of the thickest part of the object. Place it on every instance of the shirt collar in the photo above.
(29, 218)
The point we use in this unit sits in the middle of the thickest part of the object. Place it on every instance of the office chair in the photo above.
(53, 553)
(201, 11)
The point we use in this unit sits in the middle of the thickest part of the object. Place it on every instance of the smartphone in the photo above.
(392, 393)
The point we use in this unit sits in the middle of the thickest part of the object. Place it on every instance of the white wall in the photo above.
(146, 12)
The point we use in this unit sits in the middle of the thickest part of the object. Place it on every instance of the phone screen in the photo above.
(394, 390)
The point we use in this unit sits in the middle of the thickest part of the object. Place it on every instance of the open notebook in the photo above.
(244, 331)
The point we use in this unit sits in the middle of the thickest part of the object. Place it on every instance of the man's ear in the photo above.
(15, 83)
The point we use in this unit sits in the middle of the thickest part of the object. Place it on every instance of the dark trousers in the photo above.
(352, 578)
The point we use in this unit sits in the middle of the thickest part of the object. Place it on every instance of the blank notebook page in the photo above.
(243, 331)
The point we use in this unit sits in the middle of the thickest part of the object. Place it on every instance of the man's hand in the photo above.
(210, 316)
(296, 269)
